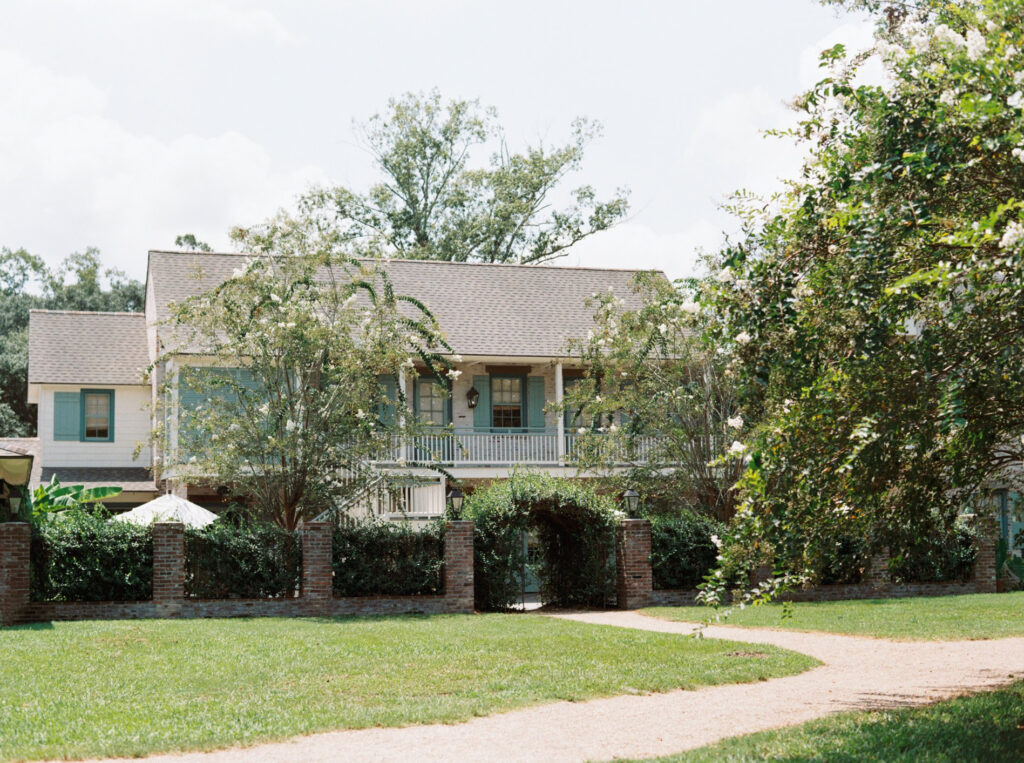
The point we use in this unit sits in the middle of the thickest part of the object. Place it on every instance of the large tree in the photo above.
(290, 414)
(655, 410)
(80, 282)
(434, 201)
(875, 318)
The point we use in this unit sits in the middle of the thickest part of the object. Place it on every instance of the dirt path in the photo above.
(858, 673)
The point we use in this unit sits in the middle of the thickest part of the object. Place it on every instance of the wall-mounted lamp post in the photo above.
(632, 500)
(472, 397)
(455, 499)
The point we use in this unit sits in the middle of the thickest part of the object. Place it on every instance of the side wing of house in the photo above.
(87, 377)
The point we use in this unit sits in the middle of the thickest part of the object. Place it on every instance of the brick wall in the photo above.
(633, 577)
(169, 600)
(15, 542)
(458, 566)
(983, 576)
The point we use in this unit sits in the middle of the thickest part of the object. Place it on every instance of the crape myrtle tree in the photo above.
(291, 412)
(655, 398)
(434, 202)
(874, 319)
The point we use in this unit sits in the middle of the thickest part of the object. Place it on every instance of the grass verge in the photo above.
(934, 618)
(988, 726)
(136, 687)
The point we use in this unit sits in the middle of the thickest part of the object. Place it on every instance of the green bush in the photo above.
(250, 561)
(388, 559)
(79, 556)
(936, 558)
(846, 562)
(682, 551)
(575, 527)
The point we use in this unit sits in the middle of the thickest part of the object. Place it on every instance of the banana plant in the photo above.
(54, 497)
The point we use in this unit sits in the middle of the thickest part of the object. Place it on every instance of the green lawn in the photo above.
(977, 616)
(987, 726)
(133, 687)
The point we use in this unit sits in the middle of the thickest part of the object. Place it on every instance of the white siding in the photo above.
(131, 426)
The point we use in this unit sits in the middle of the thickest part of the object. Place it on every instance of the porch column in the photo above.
(560, 417)
(403, 450)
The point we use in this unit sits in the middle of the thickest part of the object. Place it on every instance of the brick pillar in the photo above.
(633, 575)
(877, 573)
(983, 574)
(15, 542)
(168, 568)
(458, 566)
(317, 572)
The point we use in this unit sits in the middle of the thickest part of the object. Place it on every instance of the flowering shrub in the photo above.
(385, 558)
(82, 557)
(872, 316)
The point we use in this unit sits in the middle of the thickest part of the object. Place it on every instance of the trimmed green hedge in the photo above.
(936, 559)
(251, 561)
(388, 559)
(79, 556)
(682, 551)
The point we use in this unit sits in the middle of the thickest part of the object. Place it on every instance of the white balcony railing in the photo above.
(502, 448)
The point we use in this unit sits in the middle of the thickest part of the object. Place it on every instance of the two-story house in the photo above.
(510, 325)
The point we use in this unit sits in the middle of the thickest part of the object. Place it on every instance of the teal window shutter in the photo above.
(482, 412)
(66, 419)
(535, 403)
(389, 389)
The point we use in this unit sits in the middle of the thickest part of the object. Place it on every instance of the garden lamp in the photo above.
(455, 499)
(472, 397)
(632, 498)
(15, 470)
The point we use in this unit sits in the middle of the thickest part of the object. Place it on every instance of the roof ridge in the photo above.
(526, 265)
(85, 312)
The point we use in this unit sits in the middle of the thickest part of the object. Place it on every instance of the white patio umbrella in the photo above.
(167, 508)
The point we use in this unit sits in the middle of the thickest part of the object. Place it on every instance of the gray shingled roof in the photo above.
(66, 347)
(515, 310)
(128, 478)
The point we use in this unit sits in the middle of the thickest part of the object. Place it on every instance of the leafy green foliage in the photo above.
(53, 497)
(388, 558)
(576, 529)
(190, 243)
(79, 283)
(936, 559)
(301, 337)
(83, 557)
(432, 203)
(683, 549)
(873, 315)
(253, 561)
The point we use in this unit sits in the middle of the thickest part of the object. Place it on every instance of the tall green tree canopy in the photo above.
(434, 202)
(80, 282)
(875, 320)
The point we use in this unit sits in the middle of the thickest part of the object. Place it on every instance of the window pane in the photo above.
(97, 416)
(506, 403)
(431, 402)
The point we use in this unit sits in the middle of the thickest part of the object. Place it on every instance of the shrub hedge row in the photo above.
(381, 559)
(682, 549)
(79, 556)
(250, 561)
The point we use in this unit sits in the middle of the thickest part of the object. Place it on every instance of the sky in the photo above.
(124, 123)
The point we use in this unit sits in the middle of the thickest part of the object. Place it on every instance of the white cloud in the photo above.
(635, 245)
(231, 16)
(70, 176)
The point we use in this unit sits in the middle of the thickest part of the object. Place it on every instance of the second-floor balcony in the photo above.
(502, 447)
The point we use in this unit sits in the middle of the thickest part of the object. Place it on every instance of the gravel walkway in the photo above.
(858, 674)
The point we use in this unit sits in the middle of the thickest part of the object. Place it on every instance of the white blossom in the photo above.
(948, 98)
(1013, 234)
(453, 374)
(736, 422)
(690, 307)
(976, 44)
(890, 51)
(944, 34)
(1018, 153)
(1018, 78)
(724, 275)
(737, 447)
(360, 414)
(662, 328)
(275, 298)
(581, 430)
(1016, 101)
(743, 337)
(613, 428)
(716, 540)
(1010, 52)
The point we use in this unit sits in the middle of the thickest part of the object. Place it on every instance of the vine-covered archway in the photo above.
(574, 525)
